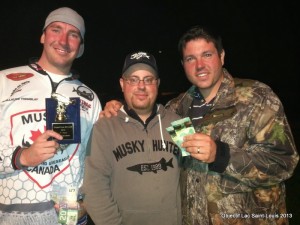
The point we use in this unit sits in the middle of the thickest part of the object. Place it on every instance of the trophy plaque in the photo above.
(63, 116)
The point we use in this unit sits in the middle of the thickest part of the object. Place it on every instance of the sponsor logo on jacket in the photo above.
(19, 76)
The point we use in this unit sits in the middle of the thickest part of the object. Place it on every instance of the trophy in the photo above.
(63, 116)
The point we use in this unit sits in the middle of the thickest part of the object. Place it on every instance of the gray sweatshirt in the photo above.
(132, 174)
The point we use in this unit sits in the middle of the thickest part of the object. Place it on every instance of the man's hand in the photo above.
(111, 108)
(82, 210)
(201, 147)
(41, 149)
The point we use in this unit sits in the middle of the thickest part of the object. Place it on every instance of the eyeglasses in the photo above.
(135, 80)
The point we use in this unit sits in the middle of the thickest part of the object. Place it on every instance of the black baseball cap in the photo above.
(139, 60)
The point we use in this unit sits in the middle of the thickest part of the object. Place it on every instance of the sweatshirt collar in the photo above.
(133, 114)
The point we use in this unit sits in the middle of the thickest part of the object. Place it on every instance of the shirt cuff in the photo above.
(15, 161)
(222, 158)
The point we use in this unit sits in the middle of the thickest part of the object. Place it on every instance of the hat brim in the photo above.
(139, 66)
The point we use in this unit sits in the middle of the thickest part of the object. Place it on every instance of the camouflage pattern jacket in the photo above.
(249, 118)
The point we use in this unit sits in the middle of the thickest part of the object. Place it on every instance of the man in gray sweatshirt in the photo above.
(132, 173)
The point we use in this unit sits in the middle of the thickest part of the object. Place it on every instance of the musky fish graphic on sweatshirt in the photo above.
(152, 167)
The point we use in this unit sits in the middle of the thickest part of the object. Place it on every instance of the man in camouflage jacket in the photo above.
(242, 181)
(246, 115)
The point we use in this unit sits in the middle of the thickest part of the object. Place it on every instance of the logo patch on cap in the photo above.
(139, 55)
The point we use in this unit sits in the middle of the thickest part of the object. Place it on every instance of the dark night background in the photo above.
(261, 41)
